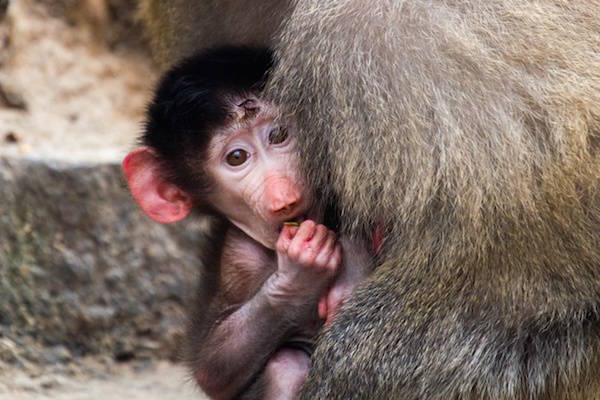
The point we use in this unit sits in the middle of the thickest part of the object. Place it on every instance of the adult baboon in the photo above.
(471, 131)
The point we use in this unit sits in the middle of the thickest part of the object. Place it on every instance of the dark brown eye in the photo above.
(237, 157)
(278, 135)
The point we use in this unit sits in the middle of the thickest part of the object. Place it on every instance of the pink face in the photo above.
(254, 168)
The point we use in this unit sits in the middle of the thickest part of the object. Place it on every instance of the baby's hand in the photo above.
(308, 258)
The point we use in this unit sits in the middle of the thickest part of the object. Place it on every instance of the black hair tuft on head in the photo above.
(190, 103)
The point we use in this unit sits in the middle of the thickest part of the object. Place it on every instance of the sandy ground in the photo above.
(155, 381)
(81, 100)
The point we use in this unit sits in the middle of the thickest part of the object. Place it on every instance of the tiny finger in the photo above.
(322, 307)
(305, 231)
(335, 259)
(321, 234)
(326, 250)
(285, 238)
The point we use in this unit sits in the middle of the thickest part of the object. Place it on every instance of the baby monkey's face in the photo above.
(253, 164)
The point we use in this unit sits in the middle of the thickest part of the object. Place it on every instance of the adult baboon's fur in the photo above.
(3, 7)
(179, 28)
(471, 129)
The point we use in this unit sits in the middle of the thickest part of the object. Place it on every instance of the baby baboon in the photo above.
(273, 268)
(471, 131)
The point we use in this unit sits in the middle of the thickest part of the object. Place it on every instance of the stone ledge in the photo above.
(83, 271)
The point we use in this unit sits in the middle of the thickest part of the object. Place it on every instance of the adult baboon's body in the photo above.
(471, 130)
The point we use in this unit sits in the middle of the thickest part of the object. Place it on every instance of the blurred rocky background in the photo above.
(92, 292)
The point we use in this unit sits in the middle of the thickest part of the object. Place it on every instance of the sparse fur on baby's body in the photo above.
(471, 131)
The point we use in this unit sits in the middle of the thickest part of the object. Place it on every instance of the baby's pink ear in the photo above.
(160, 199)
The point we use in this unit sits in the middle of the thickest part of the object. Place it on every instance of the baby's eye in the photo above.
(278, 135)
(237, 157)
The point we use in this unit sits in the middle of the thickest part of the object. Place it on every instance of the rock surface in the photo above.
(84, 273)
(83, 270)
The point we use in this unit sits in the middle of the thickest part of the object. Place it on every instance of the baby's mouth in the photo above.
(295, 222)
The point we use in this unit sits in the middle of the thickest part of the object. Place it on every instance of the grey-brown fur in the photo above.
(193, 25)
(472, 130)
(3, 7)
